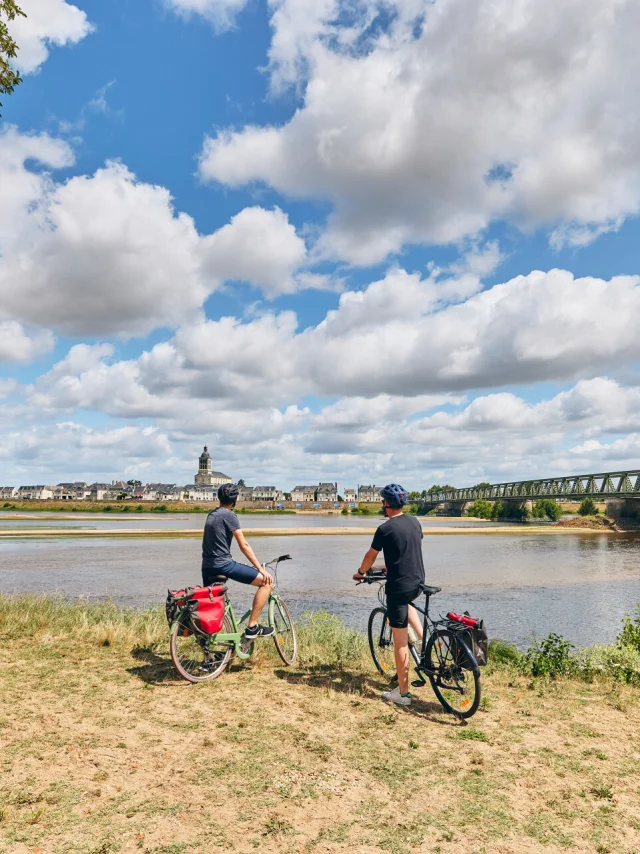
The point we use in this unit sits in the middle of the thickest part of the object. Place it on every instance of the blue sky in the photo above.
(307, 235)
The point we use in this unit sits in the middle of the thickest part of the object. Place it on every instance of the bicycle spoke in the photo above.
(199, 658)
(285, 633)
(456, 686)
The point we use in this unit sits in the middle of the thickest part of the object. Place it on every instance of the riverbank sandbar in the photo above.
(289, 532)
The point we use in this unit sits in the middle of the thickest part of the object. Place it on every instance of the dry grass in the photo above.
(105, 751)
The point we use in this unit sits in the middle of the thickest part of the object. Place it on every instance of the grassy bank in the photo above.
(104, 750)
(132, 507)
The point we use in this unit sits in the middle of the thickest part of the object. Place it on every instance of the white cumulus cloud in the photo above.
(107, 254)
(48, 22)
(220, 13)
(453, 114)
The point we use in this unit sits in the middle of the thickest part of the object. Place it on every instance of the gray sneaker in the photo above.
(258, 631)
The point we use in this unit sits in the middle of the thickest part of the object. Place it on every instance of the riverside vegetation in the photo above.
(105, 750)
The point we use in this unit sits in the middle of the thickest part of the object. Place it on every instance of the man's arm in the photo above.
(248, 552)
(367, 562)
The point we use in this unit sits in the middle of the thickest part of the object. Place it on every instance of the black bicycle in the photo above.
(444, 655)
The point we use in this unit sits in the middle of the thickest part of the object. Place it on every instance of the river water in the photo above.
(578, 585)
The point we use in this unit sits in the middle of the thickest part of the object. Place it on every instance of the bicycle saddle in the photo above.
(430, 591)
(221, 578)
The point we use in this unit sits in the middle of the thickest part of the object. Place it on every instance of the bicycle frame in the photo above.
(429, 625)
(235, 637)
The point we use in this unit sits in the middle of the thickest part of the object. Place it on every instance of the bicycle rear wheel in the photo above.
(285, 632)
(196, 658)
(381, 642)
(454, 682)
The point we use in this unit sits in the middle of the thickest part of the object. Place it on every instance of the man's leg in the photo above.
(415, 621)
(401, 652)
(260, 599)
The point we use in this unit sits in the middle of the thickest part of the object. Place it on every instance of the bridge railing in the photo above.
(620, 484)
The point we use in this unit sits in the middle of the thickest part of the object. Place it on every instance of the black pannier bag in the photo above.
(474, 634)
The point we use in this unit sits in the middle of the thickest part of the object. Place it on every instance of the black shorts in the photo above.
(398, 607)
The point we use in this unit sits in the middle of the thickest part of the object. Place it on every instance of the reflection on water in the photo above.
(578, 585)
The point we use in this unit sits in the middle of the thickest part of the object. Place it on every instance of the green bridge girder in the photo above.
(619, 484)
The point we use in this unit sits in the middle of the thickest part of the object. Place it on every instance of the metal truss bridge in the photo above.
(619, 484)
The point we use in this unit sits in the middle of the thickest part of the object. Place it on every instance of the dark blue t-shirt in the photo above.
(217, 537)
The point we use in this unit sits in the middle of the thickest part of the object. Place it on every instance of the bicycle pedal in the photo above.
(418, 683)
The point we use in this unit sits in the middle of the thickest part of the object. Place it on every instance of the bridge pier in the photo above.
(622, 509)
(456, 508)
(517, 508)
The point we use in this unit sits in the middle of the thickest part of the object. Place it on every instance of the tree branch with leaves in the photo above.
(9, 78)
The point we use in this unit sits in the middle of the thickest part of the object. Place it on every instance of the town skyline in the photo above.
(206, 481)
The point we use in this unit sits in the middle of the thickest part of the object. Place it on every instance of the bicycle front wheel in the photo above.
(381, 642)
(285, 632)
(197, 658)
(454, 682)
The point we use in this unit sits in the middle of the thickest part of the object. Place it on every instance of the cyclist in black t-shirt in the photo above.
(400, 539)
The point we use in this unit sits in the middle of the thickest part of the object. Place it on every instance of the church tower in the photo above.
(203, 478)
(206, 476)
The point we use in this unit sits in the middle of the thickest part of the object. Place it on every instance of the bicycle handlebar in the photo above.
(369, 579)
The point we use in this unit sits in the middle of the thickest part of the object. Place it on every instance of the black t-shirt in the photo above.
(217, 536)
(400, 539)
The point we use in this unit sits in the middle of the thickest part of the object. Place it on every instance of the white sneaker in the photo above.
(396, 697)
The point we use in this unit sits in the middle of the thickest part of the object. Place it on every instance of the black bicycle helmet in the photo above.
(228, 493)
(394, 494)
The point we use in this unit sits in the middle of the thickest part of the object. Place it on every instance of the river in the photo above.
(578, 585)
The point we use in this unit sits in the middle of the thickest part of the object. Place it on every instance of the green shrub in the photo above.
(588, 507)
(345, 511)
(139, 508)
(547, 508)
(552, 656)
(497, 510)
(619, 661)
(630, 633)
(108, 508)
(481, 509)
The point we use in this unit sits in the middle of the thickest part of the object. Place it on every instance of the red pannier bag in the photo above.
(206, 606)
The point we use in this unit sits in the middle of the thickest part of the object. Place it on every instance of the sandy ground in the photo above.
(104, 750)
(295, 532)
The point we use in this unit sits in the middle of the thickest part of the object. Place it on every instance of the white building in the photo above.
(369, 494)
(8, 492)
(201, 493)
(303, 493)
(76, 491)
(349, 496)
(245, 493)
(328, 492)
(206, 476)
(32, 493)
(266, 493)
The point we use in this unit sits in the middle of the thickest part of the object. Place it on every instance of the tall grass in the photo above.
(324, 642)
(103, 623)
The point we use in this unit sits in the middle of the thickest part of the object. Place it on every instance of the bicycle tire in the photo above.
(190, 657)
(444, 653)
(284, 628)
(381, 642)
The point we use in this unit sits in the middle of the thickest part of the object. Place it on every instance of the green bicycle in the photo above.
(198, 656)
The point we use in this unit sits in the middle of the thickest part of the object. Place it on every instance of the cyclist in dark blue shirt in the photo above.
(220, 529)
(400, 540)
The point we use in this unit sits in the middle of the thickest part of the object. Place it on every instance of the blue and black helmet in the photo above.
(228, 493)
(394, 494)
